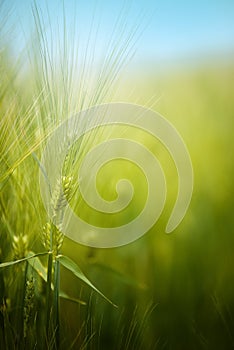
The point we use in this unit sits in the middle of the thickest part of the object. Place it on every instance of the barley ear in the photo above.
(28, 304)
(20, 246)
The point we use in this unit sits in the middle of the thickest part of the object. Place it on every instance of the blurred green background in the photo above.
(189, 273)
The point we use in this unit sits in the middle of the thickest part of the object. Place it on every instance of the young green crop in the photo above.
(28, 116)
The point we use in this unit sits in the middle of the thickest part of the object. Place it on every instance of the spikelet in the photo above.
(46, 232)
(20, 246)
(58, 240)
(52, 236)
(50, 231)
(61, 195)
(28, 303)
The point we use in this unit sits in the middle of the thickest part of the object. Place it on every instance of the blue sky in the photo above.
(170, 29)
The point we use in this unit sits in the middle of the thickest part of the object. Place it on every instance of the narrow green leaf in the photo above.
(41, 270)
(38, 267)
(75, 300)
(14, 262)
(74, 268)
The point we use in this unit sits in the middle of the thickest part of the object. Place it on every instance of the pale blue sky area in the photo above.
(170, 29)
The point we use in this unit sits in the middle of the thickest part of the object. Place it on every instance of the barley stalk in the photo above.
(52, 239)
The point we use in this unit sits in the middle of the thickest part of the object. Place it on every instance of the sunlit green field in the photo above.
(165, 291)
(181, 281)
(173, 291)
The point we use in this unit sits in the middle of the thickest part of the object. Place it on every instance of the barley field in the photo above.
(163, 291)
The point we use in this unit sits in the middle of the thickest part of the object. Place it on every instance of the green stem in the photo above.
(21, 295)
(56, 301)
(48, 293)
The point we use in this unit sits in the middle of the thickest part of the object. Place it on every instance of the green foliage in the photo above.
(188, 274)
(30, 282)
(74, 268)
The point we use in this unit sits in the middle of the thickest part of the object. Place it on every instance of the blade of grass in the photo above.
(75, 269)
(10, 263)
(41, 270)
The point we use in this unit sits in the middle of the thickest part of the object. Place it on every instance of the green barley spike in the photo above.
(20, 246)
(46, 235)
(62, 194)
(28, 304)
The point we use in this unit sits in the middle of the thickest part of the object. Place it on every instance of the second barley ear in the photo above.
(20, 246)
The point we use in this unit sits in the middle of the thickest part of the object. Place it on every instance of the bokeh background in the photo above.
(173, 291)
